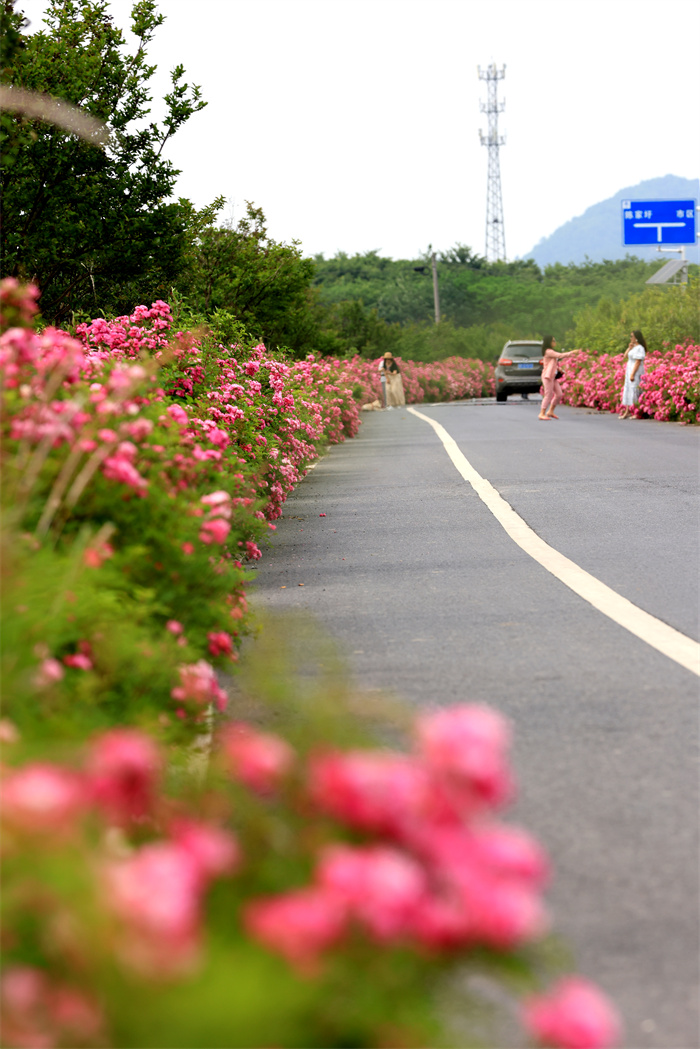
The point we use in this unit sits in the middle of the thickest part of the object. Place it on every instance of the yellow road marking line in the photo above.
(648, 628)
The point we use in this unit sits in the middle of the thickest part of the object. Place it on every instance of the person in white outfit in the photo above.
(636, 352)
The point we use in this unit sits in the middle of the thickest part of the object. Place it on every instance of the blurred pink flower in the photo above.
(373, 790)
(381, 886)
(123, 769)
(78, 660)
(214, 851)
(574, 1014)
(178, 414)
(198, 685)
(38, 1014)
(156, 895)
(174, 627)
(214, 531)
(43, 798)
(260, 760)
(299, 925)
(467, 746)
(49, 672)
(220, 643)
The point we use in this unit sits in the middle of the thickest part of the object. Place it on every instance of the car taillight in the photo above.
(505, 360)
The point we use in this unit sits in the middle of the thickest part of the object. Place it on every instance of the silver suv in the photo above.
(519, 368)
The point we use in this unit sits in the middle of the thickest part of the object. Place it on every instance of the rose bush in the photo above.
(141, 473)
(669, 388)
(141, 910)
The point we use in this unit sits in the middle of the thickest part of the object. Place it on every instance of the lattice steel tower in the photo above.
(495, 232)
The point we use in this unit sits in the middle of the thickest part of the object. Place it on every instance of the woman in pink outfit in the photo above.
(552, 389)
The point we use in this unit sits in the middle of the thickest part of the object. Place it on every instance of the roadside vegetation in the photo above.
(202, 848)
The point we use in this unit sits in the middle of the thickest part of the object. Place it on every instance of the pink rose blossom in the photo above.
(49, 672)
(298, 925)
(260, 760)
(198, 685)
(124, 768)
(79, 661)
(174, 627)
(214, 531)
(156, 895)
(214, 851)
(382, 887)
(467, 746)
(372, 790)
(220, 643)
(178, 414)
(574, 1014)
(41, 798)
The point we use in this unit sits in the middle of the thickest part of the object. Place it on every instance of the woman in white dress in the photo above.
(636, 352)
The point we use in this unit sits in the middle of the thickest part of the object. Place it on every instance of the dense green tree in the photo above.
(94, 228)
(239, 271)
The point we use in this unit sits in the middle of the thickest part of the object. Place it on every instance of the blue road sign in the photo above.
(658, 222)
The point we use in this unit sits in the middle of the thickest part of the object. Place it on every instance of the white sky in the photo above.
(354, 124)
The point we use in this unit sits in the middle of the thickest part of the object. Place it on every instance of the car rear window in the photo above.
(524, 351)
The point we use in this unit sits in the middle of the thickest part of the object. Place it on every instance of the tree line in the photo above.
(98, 229)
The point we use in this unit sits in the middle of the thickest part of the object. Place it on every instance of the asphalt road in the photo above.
(430, 598)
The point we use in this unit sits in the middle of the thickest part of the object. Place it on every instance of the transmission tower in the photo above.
(495, 232)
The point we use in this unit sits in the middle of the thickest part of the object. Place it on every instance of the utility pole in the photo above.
(436, 292)
(495, 232)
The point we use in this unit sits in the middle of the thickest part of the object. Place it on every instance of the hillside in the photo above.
(597, 233)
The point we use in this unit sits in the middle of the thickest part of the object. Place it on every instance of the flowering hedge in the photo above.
(669, 388)
(287, 898)
(142, 472)
(154, 899)
(449, 380)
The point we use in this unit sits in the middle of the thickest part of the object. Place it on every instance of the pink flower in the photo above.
(214, 851)
(117, 468)
(198, 685)
(188, 548)
(174, 627)
(220, 643)
(574, 1014)
(156, 895)
(467, 746)
(39, 1015)
(298, 925)
(42, 798)
(216, 499)
(124, 768)
(253, 550)
(258, 759)
(49, 672)
(383, 887)
(178, 414)
(382, 792)
(94, 557)
(214, 531)
(79, 661)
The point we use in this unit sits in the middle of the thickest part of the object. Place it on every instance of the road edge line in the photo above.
(654, 632)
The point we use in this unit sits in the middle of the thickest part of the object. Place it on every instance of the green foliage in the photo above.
(239, 271)
(483, 304)
(91, 226)
(667, 316)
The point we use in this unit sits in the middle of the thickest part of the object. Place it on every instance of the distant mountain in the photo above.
(598, 232)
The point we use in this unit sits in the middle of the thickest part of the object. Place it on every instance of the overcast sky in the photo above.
(355, 124)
